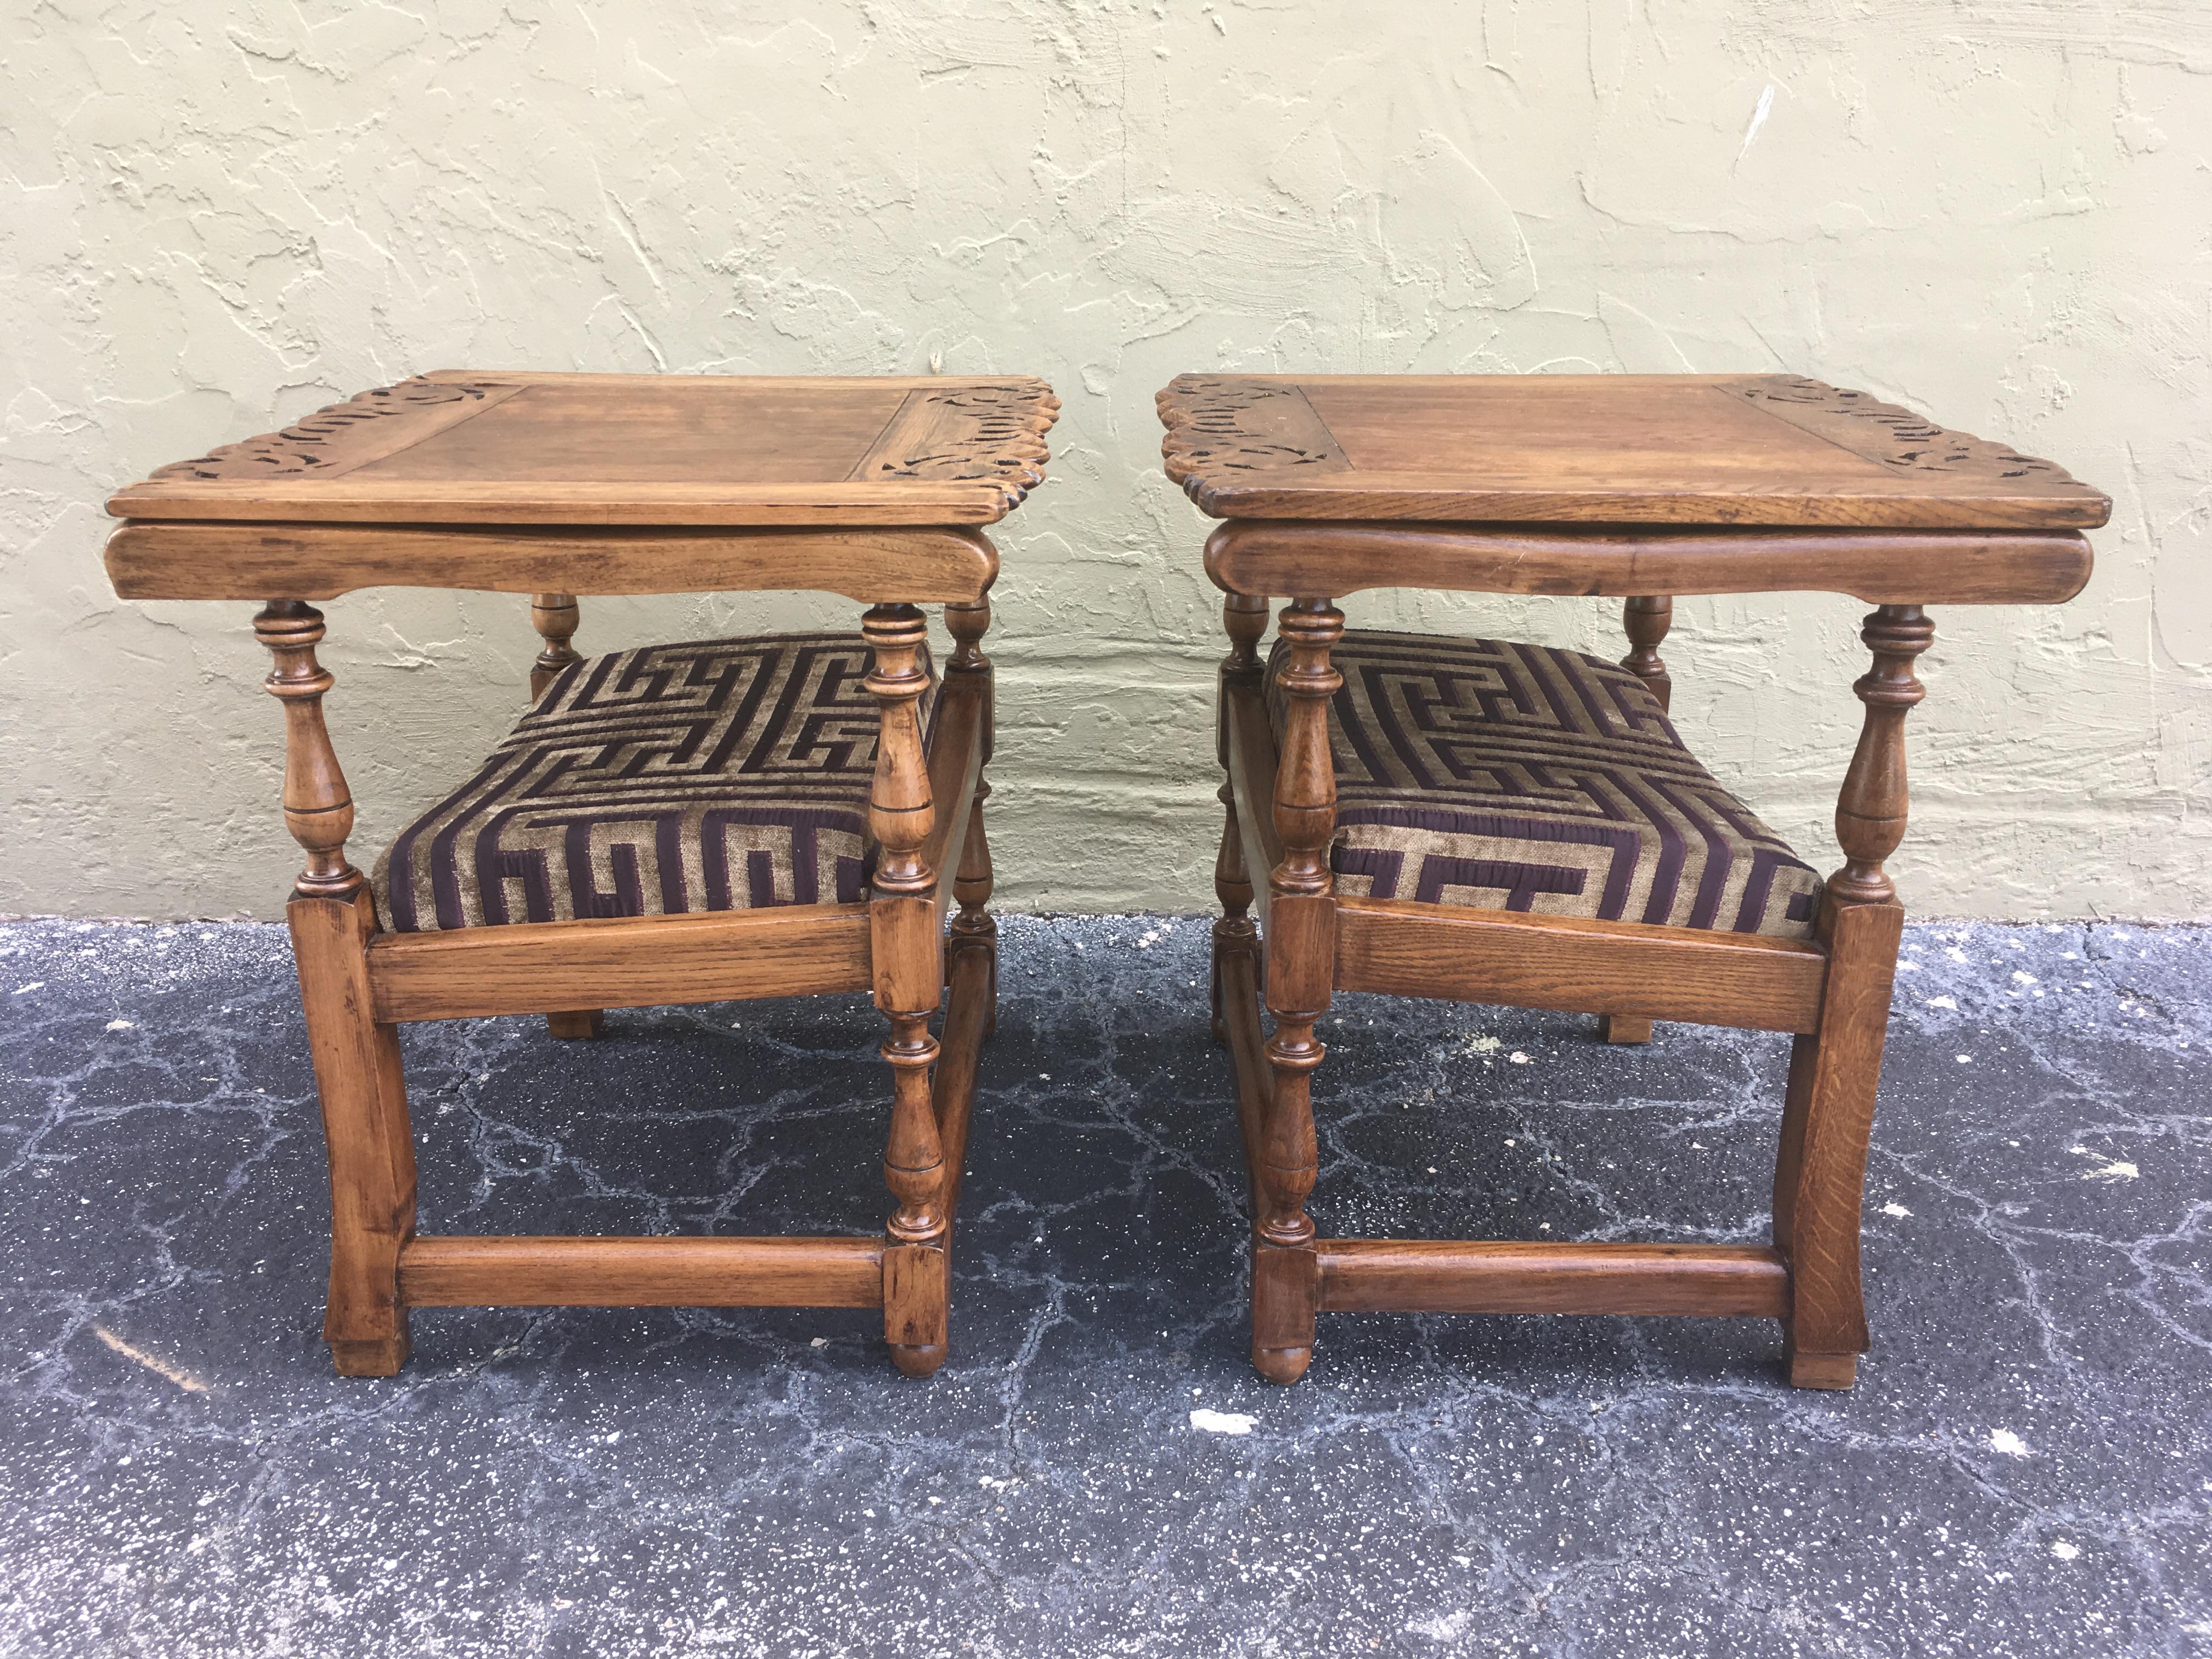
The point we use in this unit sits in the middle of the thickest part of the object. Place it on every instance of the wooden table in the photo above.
(557, 485)
(1640, 487)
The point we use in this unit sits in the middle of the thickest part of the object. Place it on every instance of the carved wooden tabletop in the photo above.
(458, 447)
(1774, 450)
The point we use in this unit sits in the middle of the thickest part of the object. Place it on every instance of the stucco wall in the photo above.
(218, 216)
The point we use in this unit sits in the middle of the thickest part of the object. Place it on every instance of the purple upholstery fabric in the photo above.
(721, 775)
(1516, 777)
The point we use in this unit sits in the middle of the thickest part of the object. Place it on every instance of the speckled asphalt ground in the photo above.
(2024, 1469)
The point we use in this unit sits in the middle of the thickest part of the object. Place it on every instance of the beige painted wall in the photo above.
(215, 216)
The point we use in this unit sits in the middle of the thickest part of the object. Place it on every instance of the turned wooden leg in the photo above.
(909, 973)
(1819, 1175)
(1301, 971)
(971, 969)
(332, 915)
(1645, 621)
(973, 927)
(554, 616)
(971, 948)
(1234, 932)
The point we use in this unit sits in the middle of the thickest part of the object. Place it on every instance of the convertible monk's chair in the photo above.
(1495, 821)
(738, 818)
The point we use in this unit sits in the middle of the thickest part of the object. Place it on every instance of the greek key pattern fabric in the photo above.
(720, 775)
(1516, 777)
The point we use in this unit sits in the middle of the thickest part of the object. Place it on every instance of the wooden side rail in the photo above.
(642, 1272)
(916, 563)
(1578, 966)
(1882, 566)
(1366, 1275)
(1251, 761)
(632, 961)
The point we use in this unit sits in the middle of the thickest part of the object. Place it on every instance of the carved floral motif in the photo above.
(980, 432)
(1244, 425)
(317, 442)
(1893, 437)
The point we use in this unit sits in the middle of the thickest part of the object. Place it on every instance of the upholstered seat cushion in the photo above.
(1516, 777)
(722, 774)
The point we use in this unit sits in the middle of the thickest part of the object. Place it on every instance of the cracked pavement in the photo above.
(2024, 1468)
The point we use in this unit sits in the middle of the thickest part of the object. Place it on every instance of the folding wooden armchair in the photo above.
(692, 823)
(1521, 825)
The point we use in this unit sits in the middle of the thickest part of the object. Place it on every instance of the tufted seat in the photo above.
(1516, 777)
(720, 775)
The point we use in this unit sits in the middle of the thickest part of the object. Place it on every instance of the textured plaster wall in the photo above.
(215, 216)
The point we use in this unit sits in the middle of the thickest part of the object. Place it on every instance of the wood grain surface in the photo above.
(1681, 449)
(153, 560)
(459, 446)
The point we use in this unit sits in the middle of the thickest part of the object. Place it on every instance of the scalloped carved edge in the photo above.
(1897, 437)
(315, 443)
(1245, 425)
(987, 433)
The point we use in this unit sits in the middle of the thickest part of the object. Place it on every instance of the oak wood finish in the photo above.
(1236, 933)
(908, 978)
(1641, 488)
(455, 1272)
(1646, 619)
(1827, 1115)
(1699, 449)
(1423, 1275)
(973, 930)
(557, 485)
(1252, 766)
(1578, 966)
(153, 560)
(511, 448)
(363, 1094)
(633, 962)
(556, 616)
(318, 805)
(1820, 1171)
(1246, 1042)
(332, 915)
(1971, 567)
(956, 768)
(1301, 942)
